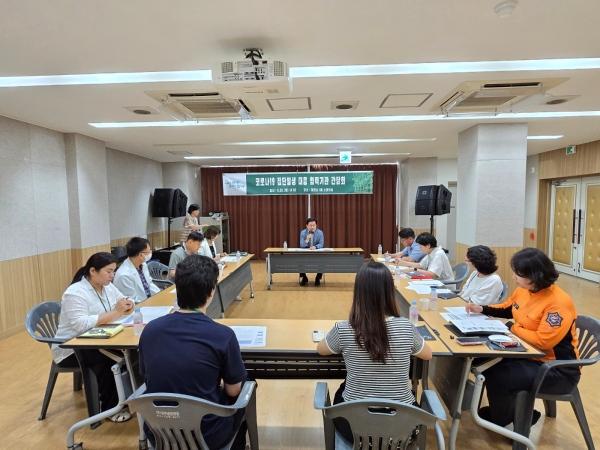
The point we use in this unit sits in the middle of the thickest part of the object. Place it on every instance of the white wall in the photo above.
(131, 182)
(186, 177)
(34, 209)
(531, 191)
(88, 191)
(415, 172)
(446, 174)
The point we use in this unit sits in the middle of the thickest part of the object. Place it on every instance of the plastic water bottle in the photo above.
(413, 313)
(138, 322)
(238, 256)
(285, 245)
(379, 249)
(433, 298)
(387, 257)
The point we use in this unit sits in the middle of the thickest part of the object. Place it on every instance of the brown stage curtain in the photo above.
(255, 222)
(359, 220)
(258, 222)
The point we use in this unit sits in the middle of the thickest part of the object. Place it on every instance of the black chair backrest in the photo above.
(589, 337)
(42, 321)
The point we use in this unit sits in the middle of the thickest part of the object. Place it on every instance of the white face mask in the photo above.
(148, 257)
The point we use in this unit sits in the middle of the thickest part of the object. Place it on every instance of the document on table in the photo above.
(474, 326)
(420, 289)
(324, 249)
(426, 282)
(460, 313)
(149, 313)
(250, 336)
(229, 258)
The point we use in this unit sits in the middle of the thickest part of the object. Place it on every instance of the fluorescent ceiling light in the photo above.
(445, 67)
(311, 72)
(547, 137)
(106, 78)
(331, 141)
(362, 119)
(312, 155)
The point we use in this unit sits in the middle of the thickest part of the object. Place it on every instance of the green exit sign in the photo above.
(570, 150)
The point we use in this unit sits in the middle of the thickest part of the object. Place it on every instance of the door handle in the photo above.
(579, 229)
(574, 218)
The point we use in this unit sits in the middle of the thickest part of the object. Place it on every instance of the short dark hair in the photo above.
(195, 236)
(136, 245)
(310, 219)
(195, 279)
(97, 261)
(406, 233)
(534, 265)
(426, 239)
(211, 232)
(483, 259)
(193, 207)
(373, 301)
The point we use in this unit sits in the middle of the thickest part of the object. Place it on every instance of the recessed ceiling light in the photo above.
(557, 101)
(142, 112)
(545, 137)
(359, 119)
(291, 156)
(332, 141)
(311, 72)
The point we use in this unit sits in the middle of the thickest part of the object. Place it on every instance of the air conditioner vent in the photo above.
(512, 85)
(199, 105)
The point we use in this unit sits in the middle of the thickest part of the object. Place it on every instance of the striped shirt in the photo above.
(366, 378)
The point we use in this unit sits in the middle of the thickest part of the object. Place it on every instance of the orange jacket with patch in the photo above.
(545, 319)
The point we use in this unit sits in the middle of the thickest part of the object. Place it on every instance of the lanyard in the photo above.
(102, 301)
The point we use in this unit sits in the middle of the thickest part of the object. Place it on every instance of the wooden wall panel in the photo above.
(556, 164)
(503, 255)
(25, 282)
(543, 215)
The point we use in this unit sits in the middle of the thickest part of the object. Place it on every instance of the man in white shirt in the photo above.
(435, 263)
(133, 277)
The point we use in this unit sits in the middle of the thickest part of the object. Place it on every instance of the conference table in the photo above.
(304, 260)
(449, 373)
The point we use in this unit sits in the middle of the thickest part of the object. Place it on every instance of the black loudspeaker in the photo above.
(425, 204)
(168, 203)
(444, 196)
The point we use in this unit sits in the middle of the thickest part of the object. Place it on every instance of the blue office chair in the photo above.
(461, 271)
(41, 323)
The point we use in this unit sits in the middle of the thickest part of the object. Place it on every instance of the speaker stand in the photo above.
(169, 220)
(431, 224)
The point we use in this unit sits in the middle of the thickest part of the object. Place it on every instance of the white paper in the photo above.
(427, 282)
(480, 325)
(249, 336)
(444, 291)
(420, 289)
(229, 258)
(380, 259)
(460, 313)
(324, 249)
(149, 313)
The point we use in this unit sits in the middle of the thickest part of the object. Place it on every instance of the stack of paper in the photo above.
(472, 323)
(229, 258)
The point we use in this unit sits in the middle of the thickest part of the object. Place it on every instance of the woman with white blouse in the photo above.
(484, 285)
(208, 247)
(92, 300)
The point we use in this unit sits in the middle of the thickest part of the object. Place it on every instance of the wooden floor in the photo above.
(286, 416)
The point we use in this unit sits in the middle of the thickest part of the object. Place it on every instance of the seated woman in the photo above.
(208, 247)
(435, 263)
(92, 300)
(133, 278)
(544, 316)
(484, 285)
(376, 343)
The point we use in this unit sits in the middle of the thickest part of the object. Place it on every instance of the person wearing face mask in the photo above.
(544, 316)
(92, 300)
(133, 278)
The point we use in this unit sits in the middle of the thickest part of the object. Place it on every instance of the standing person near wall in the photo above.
(190, 223)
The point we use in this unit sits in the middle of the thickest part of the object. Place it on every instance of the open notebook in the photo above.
(149, 313)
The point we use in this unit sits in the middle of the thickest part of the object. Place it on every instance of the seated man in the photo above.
(312, 238)
(188, 353)
(411, 251)
(435, 263)
(133, 278)
(191, 246)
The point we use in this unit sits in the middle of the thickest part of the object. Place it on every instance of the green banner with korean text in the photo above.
(298, 183)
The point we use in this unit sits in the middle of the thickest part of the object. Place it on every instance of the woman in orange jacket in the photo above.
(544, 316)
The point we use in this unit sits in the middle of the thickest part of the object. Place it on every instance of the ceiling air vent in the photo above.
(493, 96)
(199, 105)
